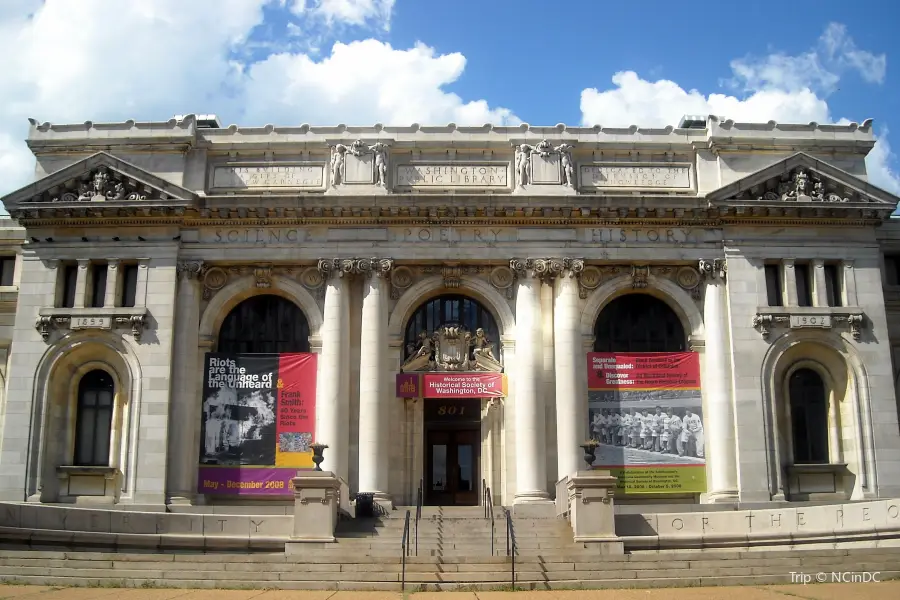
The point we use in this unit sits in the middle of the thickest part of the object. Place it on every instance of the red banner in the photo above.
(258, 421)
(296, 420)
(464, 385)
(643, 371)
(451, 385)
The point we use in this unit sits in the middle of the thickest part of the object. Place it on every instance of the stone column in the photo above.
(531, 467)
(181, 473)
(333, 380)
(374, 426)
(789, 282)
(112, 283)
(81, 282)
(819, 293)
(718, 422)
(571, 397)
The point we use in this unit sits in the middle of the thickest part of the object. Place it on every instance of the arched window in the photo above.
(809, 417)
(93, 420)
(638, 323)
(264, 324)
(450, 310)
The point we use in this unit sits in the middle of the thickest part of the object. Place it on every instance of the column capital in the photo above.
(710, 269)
(379, 267)
(83, 262)
(335, 267)
(113, 263)
(189, 269)
(547, 268)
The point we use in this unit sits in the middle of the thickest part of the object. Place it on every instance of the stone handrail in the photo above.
(562, 498)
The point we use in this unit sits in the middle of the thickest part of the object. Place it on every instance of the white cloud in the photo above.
(363, 83)
(107, 60)
(840, 48)
(778, 87)
(879, 164)
(360, 13)
(635, 101)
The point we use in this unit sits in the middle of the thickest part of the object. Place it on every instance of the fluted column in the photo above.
(531, 466)
(718, 422)
(333, 379)
(184, 413)
(571, 395)
(374, 430)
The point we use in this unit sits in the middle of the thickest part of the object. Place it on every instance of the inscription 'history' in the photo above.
(452, 175)
(268, 176)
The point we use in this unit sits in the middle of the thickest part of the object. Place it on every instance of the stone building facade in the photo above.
(502, 254)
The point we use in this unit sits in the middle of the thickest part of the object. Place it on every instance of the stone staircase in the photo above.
(552, 570)
(454, 553)
(447, 532)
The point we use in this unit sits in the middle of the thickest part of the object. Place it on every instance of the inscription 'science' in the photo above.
(269, 176)
(452, 175)
(263, 236)
(636, 176)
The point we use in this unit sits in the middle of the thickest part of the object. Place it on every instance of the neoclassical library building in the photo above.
(188, 310)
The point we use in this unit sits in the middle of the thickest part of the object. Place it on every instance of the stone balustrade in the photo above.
(872, 523)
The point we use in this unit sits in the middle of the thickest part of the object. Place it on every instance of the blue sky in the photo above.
(255, 62)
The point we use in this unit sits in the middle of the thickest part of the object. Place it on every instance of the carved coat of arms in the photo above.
(453, 348)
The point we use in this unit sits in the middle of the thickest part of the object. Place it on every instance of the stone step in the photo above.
(414, 581)
(528, 571)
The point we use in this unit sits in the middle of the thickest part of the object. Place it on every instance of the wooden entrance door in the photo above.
(452, 452)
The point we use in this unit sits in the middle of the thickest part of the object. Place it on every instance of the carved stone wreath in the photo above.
(401, 279)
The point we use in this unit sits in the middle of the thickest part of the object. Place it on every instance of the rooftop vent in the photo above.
(692, 122)
(203, 121)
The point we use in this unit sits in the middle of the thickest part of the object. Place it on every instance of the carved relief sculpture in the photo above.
(567, 163)
(523, 165)
(337, 163)
(380, 152)
(801, 185)
(453, 348)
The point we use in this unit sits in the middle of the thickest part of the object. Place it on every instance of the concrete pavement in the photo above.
(888, 590)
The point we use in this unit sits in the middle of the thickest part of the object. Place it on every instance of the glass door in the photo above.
(452, 467)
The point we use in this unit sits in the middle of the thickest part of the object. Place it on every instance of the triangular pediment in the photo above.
(802, 182)
(99, 182)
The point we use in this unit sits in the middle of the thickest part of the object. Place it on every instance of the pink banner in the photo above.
(246, 481)
(464, 385)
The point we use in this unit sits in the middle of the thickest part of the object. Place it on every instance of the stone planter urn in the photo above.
(318, 449)
(590, 452)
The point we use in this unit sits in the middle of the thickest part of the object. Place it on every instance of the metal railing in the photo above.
(419, 493)
(488, 501)
(404, 551)
(511, 545)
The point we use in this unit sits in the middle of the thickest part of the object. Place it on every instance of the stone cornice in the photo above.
(43, 135)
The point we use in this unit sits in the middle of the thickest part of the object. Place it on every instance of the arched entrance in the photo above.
(452, 426)
(638, 323)
(639, 417)
(264, 324)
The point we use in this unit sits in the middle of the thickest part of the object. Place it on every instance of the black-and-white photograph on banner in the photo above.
(238, 425)
(647, 427)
